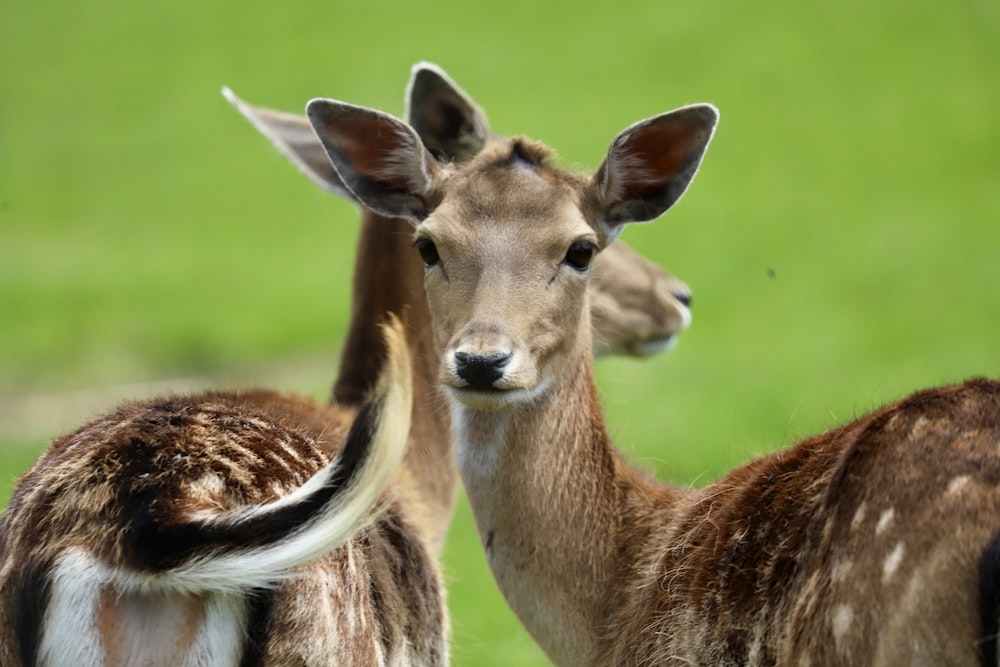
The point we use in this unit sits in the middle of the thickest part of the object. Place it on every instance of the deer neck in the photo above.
(388, 277)
(553, 503)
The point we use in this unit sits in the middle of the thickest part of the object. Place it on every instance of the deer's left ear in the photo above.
(379, 158)
(651, 164)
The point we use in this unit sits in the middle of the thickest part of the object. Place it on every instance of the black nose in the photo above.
(480, 370)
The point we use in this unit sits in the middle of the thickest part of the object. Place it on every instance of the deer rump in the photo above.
(183, 530)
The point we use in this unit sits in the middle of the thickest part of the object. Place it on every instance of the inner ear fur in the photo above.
(379, 158)
(651, 163)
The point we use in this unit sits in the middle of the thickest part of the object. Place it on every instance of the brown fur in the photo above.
(792, 559)
(871, 544)
(376, 600)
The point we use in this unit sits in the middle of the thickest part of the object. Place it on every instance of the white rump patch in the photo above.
(100, 616)
(69, 635)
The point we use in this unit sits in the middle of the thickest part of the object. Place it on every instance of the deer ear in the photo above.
(294, 138)
(450, 123)
(379, 158)
(651, 164)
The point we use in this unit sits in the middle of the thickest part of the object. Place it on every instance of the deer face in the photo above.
(507, 255)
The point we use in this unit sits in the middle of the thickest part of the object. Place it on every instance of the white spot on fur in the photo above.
(756, 648)
(921, 425)
(957, 484)
(207, 488)
(892, 562)
(841, 622)
(828, 527)
(859, 516)
(884, 520)
(893, 422)
(841, 569)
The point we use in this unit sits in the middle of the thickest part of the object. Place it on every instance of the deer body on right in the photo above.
(873, 544)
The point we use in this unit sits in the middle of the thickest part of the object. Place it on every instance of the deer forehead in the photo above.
(514, 208)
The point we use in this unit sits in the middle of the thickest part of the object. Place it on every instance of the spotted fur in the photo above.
(194, 530)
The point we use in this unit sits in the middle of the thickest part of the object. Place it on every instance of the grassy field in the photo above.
(842, 239)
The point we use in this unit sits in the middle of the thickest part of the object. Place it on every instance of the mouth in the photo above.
(491, 399)
(486, 399)
(639, 348)
(654, 346)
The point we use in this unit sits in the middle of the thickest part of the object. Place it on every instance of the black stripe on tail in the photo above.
(989, 601)
(150, 544)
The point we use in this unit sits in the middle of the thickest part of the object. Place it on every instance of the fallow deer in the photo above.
(204, 530)
(872, 544)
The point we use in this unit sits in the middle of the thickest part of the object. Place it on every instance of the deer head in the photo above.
(638, 308)
(508, 240)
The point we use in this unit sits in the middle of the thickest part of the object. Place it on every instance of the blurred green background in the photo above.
(842, 239)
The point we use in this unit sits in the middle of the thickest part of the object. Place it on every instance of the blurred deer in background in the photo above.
(874, 543)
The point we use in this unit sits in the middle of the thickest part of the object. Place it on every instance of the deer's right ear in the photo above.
(294, 138)
(448, 121)
(379, 158)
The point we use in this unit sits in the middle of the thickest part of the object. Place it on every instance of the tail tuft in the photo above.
(255, 547)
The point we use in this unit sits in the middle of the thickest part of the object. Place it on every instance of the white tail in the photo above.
(875, 543)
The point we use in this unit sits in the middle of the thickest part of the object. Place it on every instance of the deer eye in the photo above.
(428, 252)
(579, 255)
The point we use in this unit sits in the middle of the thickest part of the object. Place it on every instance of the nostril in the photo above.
(480, 371)
(683, 297)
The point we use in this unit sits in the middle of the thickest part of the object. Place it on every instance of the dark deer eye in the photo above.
(580, 254)
(428, 251)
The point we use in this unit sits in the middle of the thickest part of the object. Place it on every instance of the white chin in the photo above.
(495, 399)
(487, 400)
(656, 346)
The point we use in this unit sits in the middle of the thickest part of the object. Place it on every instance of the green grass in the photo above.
(842, 239)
